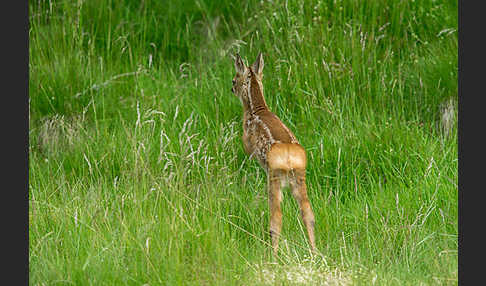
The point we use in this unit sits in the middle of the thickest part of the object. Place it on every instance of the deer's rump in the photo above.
(286, 156)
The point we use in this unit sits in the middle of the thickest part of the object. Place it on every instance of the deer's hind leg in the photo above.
(275, 178)
(299, 191)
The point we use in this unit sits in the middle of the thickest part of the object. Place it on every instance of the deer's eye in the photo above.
(233, 81)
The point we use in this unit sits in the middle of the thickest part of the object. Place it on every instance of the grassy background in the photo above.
(137, 173)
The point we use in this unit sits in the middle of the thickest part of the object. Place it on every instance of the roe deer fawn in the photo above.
(268, 140)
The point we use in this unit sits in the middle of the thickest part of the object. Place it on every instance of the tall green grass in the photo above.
(137, 173)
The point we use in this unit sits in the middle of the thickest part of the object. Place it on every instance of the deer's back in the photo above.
(272, 127)
(263, 130)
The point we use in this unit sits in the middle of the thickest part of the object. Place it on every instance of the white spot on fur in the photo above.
(265, 127)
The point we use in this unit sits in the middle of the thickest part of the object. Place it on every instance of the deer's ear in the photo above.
(239, 65)
(257, 66)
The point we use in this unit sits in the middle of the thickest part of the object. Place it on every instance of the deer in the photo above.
(267, 139)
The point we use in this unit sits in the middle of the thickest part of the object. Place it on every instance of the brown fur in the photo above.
(266, 138)
(287, 157)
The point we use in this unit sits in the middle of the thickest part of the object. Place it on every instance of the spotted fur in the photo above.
(266, 138)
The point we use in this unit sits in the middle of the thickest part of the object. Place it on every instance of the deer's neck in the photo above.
(256, 102)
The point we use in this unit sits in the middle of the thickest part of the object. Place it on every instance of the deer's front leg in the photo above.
(246, 144)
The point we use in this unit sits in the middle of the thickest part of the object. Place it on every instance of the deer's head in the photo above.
(244, 76)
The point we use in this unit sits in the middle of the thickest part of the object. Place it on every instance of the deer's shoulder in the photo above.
(279, 131)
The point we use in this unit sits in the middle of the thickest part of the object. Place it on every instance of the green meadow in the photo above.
(137, 173)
